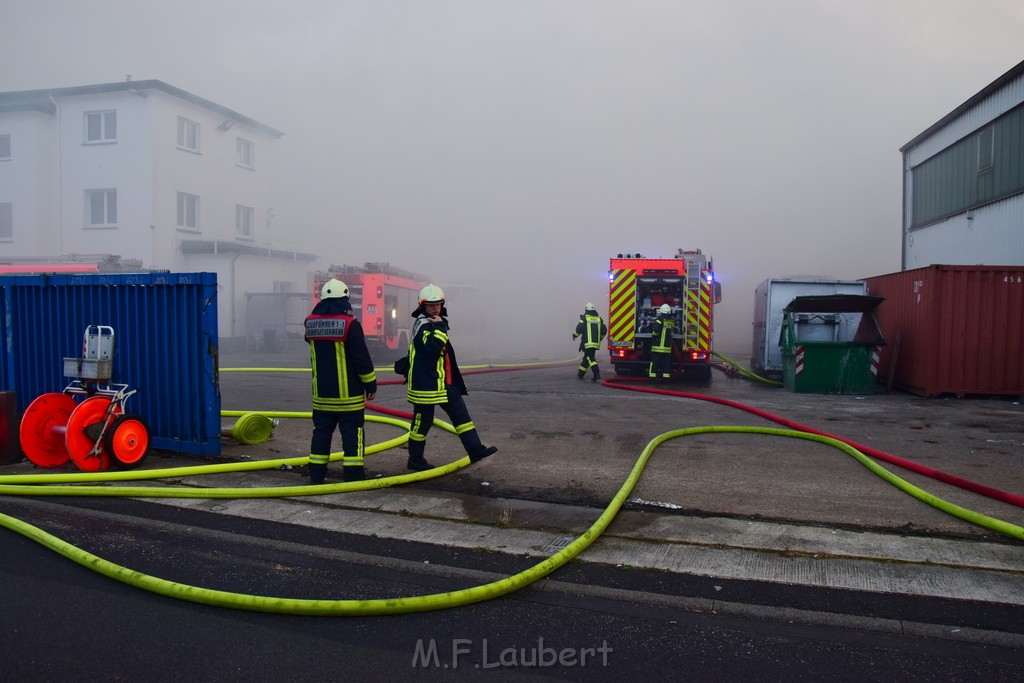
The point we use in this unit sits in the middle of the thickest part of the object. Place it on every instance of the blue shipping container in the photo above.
(165, 336)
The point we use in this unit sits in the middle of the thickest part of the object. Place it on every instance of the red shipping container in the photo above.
(960, 329)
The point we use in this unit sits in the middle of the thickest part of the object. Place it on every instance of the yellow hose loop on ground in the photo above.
(535, 364)
(392, 369)
(745, 372)
(976, 518)
(237, 492)
(219, 468)
(253, 428)
(288, 414)
(468, 595)
(310, 370)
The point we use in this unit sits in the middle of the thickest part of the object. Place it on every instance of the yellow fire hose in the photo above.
(403, 605)
(17, 485)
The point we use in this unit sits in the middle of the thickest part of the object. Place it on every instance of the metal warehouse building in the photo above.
(963, 182)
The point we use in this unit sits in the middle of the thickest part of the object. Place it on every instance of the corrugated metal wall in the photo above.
(961, 329)
(990, 234)
(994, 231)
(969, 121)
(165, 332)
(951, 181)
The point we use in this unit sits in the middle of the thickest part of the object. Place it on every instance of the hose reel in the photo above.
(94, 433)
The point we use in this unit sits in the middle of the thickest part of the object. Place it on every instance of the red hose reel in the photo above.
(94, 433)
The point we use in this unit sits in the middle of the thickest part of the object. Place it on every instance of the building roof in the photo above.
(229, 247)
(985, 92)
(43, 100)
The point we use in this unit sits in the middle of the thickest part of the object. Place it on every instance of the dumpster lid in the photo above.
(838, 303)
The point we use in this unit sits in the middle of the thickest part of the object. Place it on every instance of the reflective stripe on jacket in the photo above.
(432, 364)
(342, 368)
(592, 329)
(661, 335)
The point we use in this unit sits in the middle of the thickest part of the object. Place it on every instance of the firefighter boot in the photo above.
(354, 472)
(476, 450)
(597, 375)
(317, 473)
(482, 452)
(581, 374)
(416, 460)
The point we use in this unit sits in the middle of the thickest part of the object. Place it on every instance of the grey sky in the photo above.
(523, 142)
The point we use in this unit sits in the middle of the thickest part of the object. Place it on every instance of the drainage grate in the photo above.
(558, 544)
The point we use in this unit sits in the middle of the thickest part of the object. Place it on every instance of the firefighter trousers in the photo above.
(587, 362)
(423, 420)
(661, 366)
(350, 424)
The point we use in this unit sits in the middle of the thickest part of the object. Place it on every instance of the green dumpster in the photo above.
(830, 344)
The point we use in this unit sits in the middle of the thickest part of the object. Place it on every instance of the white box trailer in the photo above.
(770, 299)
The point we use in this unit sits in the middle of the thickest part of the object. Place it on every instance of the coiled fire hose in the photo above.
(252, 429)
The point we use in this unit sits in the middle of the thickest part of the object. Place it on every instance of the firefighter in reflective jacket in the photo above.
(590, 330)
(343, 379)
(435, 380)
(661, 344)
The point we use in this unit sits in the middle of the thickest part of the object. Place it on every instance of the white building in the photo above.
(146, 171)
(963, 182)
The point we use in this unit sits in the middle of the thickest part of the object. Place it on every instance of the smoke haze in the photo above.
(514, 146)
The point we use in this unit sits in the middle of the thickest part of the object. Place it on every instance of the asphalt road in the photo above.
(64, 621)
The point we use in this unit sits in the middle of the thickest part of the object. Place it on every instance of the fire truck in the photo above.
(383, 299)
(638, 287)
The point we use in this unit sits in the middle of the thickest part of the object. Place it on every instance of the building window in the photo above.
(246, 153)
(101, 126)
(5, 147)
(6, 222)
(101, 208)
(243, 221)
(986, 148)
(188, 134)
(188, 211)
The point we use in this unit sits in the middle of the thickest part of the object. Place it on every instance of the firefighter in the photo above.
(661, 344)
(591, 330)
(435, 380)
(343, 379)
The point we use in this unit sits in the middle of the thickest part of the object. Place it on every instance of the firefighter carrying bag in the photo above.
(402, 366)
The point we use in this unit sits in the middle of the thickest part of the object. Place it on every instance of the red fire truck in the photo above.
(383, 299)
(638, 287)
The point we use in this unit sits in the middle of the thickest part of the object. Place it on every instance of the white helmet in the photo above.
(590, 307)
(665, 309)
(333, 289)
(431, 294)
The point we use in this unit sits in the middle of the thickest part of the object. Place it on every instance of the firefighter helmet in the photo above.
(431, 294)
(334, 289)
(665, 309)
(590, 307)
